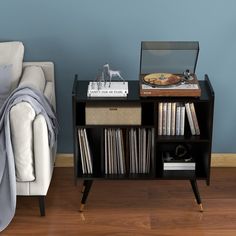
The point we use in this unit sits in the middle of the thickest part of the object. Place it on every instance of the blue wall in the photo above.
(80, 35)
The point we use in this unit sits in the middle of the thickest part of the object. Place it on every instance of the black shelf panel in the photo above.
(179, 174)
(128, 176)
(181, 139)
(87, 176)
(167, 176)
(115, 126)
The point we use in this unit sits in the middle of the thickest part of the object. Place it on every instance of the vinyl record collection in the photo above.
(114, 152)
(140, 151)
(138, 154)
(85, 152)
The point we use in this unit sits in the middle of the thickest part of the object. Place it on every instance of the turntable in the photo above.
(168, 69)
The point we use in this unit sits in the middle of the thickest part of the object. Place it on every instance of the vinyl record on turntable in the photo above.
(161, 79)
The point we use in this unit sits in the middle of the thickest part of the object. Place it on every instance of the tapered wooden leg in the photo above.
(42, 205)
(196, 193)
(87, 187)
(84, 184)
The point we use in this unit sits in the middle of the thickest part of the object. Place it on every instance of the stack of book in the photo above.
(140, 150)
(114, 152)
(171, 163)
(85, 153)
(171, 118)
(107, 89)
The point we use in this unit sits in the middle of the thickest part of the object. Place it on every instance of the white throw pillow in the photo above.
(12, 53)
(33, 77)
(5, 82)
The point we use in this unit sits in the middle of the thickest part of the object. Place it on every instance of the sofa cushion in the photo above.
(12, 53)
(5, 82)
(48, 91)
(33, 77)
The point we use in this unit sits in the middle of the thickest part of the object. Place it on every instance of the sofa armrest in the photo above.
(43, 158)
(22, 116)
(34, 158)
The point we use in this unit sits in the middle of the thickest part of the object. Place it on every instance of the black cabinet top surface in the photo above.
(80, 92)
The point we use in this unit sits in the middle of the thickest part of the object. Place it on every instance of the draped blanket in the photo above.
(7, 165)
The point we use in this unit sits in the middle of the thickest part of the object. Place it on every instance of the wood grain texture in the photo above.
(135, 208)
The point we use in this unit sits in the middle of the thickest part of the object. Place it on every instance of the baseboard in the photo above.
(217, 160)
(223, 160)
(64, 160)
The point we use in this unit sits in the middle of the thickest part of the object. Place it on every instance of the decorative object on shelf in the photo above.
(108, 74)
(170, 163)
(179, 159)
(113, 113)
(105, 87)
(168, 69)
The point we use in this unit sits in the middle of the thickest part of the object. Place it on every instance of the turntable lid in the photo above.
(168, 57)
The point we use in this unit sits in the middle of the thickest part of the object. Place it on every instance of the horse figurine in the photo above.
(108, 74)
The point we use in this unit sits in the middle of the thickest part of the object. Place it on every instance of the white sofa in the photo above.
(43, 156)
(34, 159)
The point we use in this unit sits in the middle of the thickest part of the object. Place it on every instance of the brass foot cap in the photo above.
(201, 207)
(81, 209)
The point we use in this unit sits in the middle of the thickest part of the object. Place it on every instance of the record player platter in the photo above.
(162, 79)
(171, 85)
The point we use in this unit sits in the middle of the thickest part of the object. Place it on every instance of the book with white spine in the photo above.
(160, 111)
(164, 118)
(182, 120)
(194, 116)
(173, 118)
(177, 126)
(190, 119)
(168, 119)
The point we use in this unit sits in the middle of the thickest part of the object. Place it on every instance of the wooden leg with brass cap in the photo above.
(87, 186)
(196, 193)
